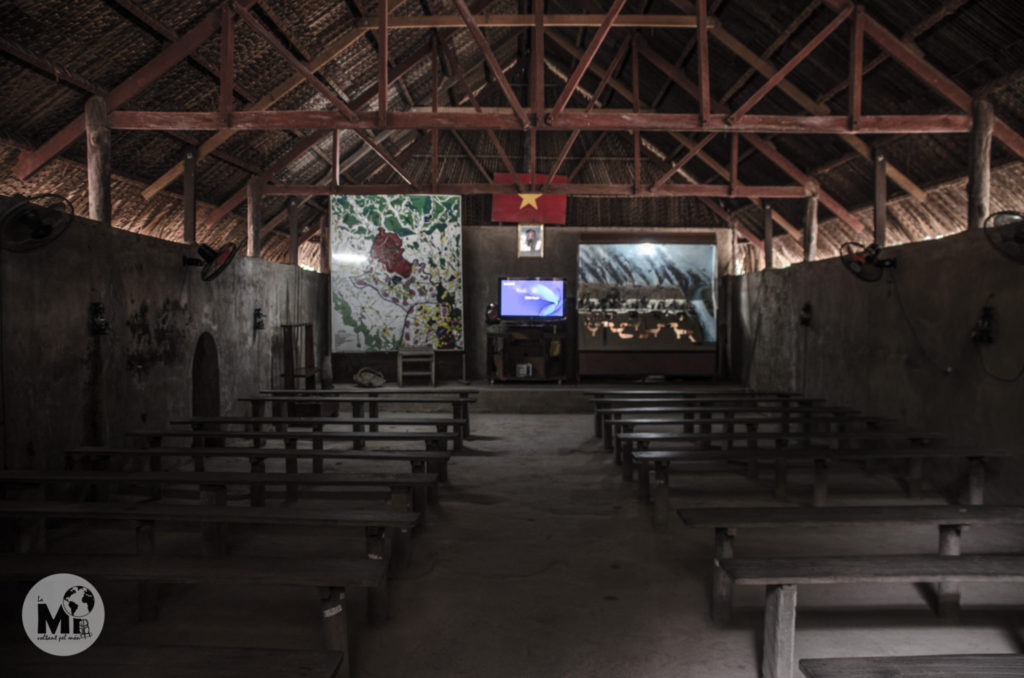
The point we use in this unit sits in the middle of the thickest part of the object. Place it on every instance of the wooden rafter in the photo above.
(30, 161)
(586, 59)
(801, 98)
(595, 190)
(550, 20)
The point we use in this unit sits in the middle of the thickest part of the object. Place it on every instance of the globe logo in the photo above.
(63, 614)
(78, 601)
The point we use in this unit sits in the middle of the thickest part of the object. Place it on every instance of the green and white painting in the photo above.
(396, 272)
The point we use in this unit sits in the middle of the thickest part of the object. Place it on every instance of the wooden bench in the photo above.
(460, 404)
(843, 439)
(330, 576)
(175, 661)
(408, 490)
(809, 421)
(382, 528)
(432, 440)
(317, 423)
(705, 416)
(949, 519)
(926, 666)
(715, 401)
(782, 576)
(421, 461)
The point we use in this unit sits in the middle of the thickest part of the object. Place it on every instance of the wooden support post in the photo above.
(293, 232)
(382, 64)
(768, 239)
(721, 584)
(254, 217)
(979, 173)
(880, 198)
(97, 148)
(779, 632)
(703, 64)
(189, 178)
(325, 244)
(811, 228)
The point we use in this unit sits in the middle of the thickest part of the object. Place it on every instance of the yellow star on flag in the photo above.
(529, 200)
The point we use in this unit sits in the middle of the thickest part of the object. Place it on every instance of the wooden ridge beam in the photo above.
(30, 161)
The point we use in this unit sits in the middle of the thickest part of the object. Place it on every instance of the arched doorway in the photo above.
(205, 378)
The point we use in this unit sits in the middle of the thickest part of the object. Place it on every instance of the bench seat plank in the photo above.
(322, 421)
(832, 516)
(267, 452)
(931, 666)
(168, 661)
(874, 569)
(294, 516)
(222, 478)
(248, 570)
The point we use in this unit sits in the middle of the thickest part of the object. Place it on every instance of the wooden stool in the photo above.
(420, 359)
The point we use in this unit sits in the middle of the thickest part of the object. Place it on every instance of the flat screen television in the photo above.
(532, 299)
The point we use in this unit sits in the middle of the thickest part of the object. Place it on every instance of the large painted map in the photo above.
(396, 272)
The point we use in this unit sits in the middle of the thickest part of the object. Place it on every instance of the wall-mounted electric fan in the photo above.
(864, 261)
(33, 221)
(1005, 232)
(214, 262)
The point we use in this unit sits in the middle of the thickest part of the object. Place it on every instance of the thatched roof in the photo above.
(55, 56)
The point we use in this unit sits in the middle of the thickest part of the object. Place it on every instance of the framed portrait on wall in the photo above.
(531, 240)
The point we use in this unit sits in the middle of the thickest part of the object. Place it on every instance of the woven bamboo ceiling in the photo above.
(660, 112)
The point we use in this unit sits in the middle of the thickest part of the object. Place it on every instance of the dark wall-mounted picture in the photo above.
(646, 296)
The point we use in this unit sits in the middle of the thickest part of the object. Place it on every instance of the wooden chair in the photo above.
(421, 361)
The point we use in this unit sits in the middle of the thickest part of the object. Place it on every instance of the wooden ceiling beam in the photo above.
(51, 68)
(492, 61)
(931, 76)
(586, 59)
(30, 161)
(597, 190)
(549, 20)
(612, 120)
(805, 101)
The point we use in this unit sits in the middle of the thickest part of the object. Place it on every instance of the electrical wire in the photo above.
(913, 332)
(984, 368)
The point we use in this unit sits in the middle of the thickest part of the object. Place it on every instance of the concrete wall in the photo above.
(860, 349)
(64, 387)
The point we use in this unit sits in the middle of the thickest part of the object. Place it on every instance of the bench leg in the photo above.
(779, 632)
(915, 477)
(820, 482)
(609, 433)
(721, 584)
(374, 409)
(659, 515)
(145, 545)
(378, 548)
(334, 610)
(949, 592)
(357, 413)
(318, 444)
(780, 478)
(976, 481)
(627, 461)
(597, 421)
(643, 481)
(258, 491)
(214, 534)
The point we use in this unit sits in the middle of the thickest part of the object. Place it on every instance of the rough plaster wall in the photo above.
(859, 350)
(64, 387)
(489, 253)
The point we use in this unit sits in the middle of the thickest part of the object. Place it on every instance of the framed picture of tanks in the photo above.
(647, 308)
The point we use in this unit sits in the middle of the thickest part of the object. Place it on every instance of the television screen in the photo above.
(526, 299)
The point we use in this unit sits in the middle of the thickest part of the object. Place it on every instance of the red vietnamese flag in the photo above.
(528, 208)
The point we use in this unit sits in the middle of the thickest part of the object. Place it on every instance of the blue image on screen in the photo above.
(542, 299)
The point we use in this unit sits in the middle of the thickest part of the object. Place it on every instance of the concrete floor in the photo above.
(540, 562)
